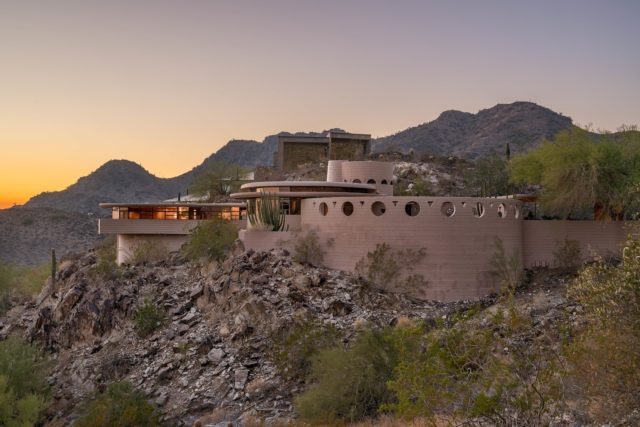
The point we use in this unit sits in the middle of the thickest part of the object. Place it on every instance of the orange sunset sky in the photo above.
(167, 83)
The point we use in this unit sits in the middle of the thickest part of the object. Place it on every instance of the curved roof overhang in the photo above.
(348, 185)
(171, 205)
(301, 194)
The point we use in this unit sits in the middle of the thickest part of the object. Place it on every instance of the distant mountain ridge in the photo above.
(523, 124)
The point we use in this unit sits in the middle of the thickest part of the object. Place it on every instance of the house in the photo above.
(355, 210)
(166, 223)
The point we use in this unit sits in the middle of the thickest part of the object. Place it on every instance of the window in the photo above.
(324, 209)
(412, 208)
(347, 208)
(447, 209)
(378, 208)
(371, 181)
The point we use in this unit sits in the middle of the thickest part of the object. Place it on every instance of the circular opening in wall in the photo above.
(478, 210)
(502, 210)
(412, 208)
(357, 181)
(378, 208)
(347, 208)
(371, 181)
(447, 209)
(383, 182)
(516, 211)
(324, 209)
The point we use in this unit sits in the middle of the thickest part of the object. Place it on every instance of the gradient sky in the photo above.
(167, 83)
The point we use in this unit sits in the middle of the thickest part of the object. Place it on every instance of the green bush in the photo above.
(307, 248)
(21, 281)
(568, 255)
(507, 269)
(211, 240)
(606, 351)
(148, 318)
(23, 387)
(294, 348)
(146, 252)
(120, 405)
(349, 384)
(106, 254)
(387, 267)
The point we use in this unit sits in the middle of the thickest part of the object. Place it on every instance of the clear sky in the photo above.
(167, 83)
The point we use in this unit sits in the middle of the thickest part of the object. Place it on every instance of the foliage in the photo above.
(507, 269)
(120, 405)
(578, 173)
(220, 179)
(211, 240)
(307, 248)
(148, 318)
(295, 347)
(568, 255)
(23, 389)
(22, 281)
(489, 177)
(106, 253)
(418, 187)
(606, 351)
(462, 372)
(147, 251)
(349, 384)
(265, 213)
(386, 267)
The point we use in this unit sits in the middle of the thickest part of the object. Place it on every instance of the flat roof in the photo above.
(307, 184)
(170, 204)
(302, 194)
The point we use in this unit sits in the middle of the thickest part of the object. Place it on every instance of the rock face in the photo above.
(213, 350)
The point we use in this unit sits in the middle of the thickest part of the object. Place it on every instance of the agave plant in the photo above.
(265, 213)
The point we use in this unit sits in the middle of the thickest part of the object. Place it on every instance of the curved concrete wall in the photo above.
(367, 171)
(459, 247)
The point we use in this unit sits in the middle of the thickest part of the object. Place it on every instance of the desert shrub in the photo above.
(387, 267)
(106, 254)
(295, 347)
(418, 187)
(606, 351)
(23, 387)
(507, 269)
(307, 248)
(463, 372)
(20, 281)
(148, 318)
(211, 240)
(120, 405)
(349, 384)
(147, 251)
(568, 255)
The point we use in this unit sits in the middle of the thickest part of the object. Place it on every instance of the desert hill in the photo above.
(521, 124)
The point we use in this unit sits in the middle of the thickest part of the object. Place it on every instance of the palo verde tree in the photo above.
(220, 179)
(580, 172)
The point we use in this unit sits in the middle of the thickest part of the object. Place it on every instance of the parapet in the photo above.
(376, 173)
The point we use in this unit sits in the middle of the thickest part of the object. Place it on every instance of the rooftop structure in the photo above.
(294, 150)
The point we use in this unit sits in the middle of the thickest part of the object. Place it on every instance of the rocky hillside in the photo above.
(214, 348)
(212, 359)
(27, 235)
(521, 124)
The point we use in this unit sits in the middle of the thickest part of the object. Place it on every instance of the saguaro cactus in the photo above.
(265, 213)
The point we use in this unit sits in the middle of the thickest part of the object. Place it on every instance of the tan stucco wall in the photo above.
(459, 248)
(127, 243)
(542, 238)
